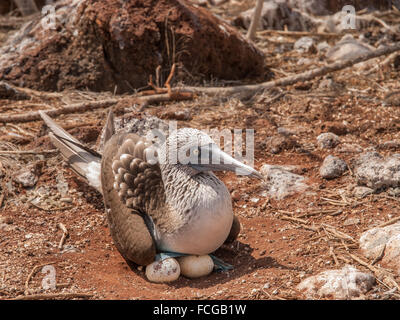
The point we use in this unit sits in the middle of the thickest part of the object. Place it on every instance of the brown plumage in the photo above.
(127, 225)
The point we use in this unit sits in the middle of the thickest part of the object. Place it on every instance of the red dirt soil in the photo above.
(272, 254)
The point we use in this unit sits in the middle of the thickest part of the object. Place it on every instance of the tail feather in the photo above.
(108, 130)
(84, 161)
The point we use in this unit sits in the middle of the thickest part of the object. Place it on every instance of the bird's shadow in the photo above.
(237, 254)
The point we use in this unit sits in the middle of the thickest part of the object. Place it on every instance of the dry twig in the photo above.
(157, 98)
(332, 253)
(18, 152)
(77, 107)
(1, 199)
(299, 34)
(283, 217)
(387, 223)
(64, 236)
(332, 212)
(51, 296)
(337, 233)
(256, 19)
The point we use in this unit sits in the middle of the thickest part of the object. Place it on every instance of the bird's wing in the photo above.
(131, 184)
(84, 161)
(136, 178)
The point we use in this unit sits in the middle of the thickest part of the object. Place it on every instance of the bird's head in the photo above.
(197, 150)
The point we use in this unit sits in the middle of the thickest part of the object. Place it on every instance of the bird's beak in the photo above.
(214, 159)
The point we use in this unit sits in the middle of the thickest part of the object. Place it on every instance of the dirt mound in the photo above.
(101, 45)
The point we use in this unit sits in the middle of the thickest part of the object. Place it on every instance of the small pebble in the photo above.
(327, 140)
(332, 167)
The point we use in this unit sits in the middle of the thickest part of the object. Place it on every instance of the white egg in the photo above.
(167, 270)
(196, 266)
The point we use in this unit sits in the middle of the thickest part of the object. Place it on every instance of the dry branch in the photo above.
(314, 213)
(391, 221)
(77, 107)
(302, 77)
(91, 105)
(256, 19)
(157, 98)
(20, 152)
(283, 217)
(332, 253)
(29, 92)
(1, 199)
(337, 233)
(299, 34)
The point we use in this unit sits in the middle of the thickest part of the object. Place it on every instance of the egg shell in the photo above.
(167, 270)
(196, 266)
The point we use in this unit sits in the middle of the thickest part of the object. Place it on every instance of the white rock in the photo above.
(327, 140)
(196, 266)
(304, 44)
(374, 171)
(323, 46)
(392, 253)
(348, 48)
(332, 167)
(26, 177)
(166, 270)
(281, 183)
(394, 192)
(373, 241)
(345, 283)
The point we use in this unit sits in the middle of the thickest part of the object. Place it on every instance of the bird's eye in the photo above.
(196, 152)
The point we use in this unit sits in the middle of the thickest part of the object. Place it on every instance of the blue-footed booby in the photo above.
(155, 201)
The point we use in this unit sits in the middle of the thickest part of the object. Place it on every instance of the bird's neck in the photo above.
(187, 189)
